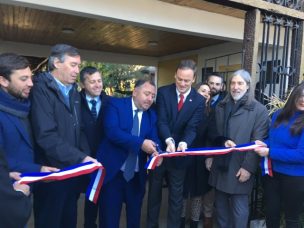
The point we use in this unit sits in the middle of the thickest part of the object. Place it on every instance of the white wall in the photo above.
(44, 51)
(220, 50)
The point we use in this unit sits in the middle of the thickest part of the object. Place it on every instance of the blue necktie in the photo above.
(132, 157)
(93, 109)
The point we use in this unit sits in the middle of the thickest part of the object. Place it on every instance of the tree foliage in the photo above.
(117, 77)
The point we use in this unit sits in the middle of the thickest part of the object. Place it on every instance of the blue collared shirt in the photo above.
(98, 102)
(65, 90)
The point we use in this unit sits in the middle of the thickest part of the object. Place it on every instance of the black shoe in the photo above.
(193, 224)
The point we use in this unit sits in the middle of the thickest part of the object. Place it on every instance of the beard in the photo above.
(237, 96)
(214, 92)
(16, 93)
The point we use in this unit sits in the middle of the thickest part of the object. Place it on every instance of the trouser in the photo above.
(90, 208)
(116, 192)
(175, 197)
(232, 210)
(286, 192)
(55, 203)
(90, 214)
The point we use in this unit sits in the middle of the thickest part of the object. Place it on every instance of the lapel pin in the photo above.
(190, 100)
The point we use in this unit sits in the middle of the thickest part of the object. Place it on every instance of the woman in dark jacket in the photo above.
(196, 180)
(285, 149)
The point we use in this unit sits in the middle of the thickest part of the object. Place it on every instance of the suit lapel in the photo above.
(129, 113)
(20, 128)
(187, 105)
(144, 124)
(173, 102)
(104, 100)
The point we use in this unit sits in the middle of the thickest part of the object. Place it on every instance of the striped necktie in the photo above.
(93, 109)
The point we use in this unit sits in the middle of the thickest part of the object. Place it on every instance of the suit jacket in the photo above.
(57, 129)
(249, 123)
(15, 141)
(118, 141)
(15, 207)
(182, 125)
(222, 95)
(93, 129)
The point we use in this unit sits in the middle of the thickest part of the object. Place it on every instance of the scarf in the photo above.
(14, 106)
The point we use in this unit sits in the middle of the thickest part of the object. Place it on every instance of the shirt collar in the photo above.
(185, 94)
(63, 88)
(134, 106)
(214, 98)
(88, 98)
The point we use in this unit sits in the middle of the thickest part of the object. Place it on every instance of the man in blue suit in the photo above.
(179, 111)
(130, 136)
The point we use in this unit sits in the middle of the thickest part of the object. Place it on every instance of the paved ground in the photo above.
(163, 213)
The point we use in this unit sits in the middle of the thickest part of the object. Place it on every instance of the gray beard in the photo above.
(238, 97)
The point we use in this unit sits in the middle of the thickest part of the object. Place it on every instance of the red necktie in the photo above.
(181, 102)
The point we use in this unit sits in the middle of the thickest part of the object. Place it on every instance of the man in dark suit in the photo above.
(216, 83)
(93, 101)
(180, 110)
(130, 136)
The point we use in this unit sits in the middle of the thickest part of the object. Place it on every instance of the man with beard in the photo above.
(15, 130)
(16, 148)
(215, 82)
(239, 119)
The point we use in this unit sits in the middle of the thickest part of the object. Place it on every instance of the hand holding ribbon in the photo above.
(69, 172)
(152, 163)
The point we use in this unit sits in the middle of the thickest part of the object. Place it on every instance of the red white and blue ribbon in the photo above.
(266, 166)
(95, 186)
(69, 172)
(151, 164)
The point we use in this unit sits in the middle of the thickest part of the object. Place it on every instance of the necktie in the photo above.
(132, 157)
(181, 102)
(93, 109)
(213, 101)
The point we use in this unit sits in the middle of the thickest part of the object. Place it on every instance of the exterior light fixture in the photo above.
(152, 43)
(67, 30)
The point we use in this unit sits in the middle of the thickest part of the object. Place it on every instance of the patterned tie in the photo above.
(93, 109)
(181, 102)
(132, 157)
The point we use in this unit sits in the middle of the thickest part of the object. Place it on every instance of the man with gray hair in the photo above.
(60, 141)
(239, 119)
